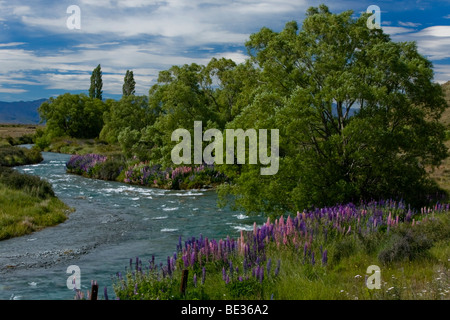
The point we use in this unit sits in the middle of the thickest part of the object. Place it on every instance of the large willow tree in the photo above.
(358, 116)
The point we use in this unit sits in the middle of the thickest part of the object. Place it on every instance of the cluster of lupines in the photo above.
(173, 178)
(247, 257)
(145, 174)
(84, 164)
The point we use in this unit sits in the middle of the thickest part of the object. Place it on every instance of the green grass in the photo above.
(27, 204)
(22, 213)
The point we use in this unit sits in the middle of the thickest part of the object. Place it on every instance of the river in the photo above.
(112, 223)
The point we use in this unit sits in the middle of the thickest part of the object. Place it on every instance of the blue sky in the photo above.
(41, 57)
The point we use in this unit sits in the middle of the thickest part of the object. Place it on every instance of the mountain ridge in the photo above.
(20, 112)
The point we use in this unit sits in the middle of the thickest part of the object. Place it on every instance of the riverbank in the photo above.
(98, 160)
(376, 251)
(28, 203)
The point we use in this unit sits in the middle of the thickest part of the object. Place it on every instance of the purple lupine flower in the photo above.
(223, 273)
(231, 268)
(261, 275)
(195, 280)
(169, 266)
(277, 269)
(313, 261)
(324, 257)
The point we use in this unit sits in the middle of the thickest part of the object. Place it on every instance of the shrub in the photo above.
(109, 170)
(15, 156)
(33, 185)
(405, 245)
(344, 248)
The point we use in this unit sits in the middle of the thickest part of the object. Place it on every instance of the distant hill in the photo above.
(20, 112)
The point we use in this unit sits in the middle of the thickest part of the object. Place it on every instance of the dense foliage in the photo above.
(74, 115)
(357, 113)
(32, 185)
(11, 156)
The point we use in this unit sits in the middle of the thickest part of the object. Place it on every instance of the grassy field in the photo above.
(14, 134)
(17, 130)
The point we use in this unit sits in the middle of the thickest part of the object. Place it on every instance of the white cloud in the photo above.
(396, 30)
(12, 90)
(11, 44)
(435, 31)
(21, 10)
(237, 57)
(432, 42)
(441, 73)
(409, 24)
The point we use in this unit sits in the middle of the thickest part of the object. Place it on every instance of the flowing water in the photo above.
(112, 223)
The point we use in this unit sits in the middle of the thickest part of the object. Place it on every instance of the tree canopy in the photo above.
(74, 115)
(357, 113)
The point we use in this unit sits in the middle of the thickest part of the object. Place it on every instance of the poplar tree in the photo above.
(129, 84)
(95, 91)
